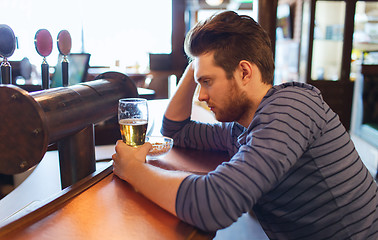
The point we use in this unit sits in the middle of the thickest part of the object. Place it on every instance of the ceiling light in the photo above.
(214, 2)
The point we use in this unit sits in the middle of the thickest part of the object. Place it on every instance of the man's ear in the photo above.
(246, 70)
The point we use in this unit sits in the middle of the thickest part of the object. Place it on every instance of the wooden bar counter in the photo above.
(106, 207)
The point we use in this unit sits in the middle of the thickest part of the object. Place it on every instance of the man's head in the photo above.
(232, 38)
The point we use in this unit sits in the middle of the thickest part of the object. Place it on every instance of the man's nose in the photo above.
(203, 95)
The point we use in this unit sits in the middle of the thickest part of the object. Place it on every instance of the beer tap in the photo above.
(64, 47)
(7, 47)
(43, 44)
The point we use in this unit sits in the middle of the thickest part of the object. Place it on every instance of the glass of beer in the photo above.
(133, 119)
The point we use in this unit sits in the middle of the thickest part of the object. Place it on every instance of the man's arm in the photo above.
(157, 184)
(180, 106)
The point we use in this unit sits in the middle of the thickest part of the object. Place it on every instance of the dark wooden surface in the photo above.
(109, 209)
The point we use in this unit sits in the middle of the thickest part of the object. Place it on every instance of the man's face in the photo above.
(223, 96)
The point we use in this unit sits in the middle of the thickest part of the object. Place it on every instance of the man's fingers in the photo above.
(146, 147)
(142, 151)
(139, 153)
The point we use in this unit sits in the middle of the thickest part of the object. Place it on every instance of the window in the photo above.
(328, 40)
(112, 31)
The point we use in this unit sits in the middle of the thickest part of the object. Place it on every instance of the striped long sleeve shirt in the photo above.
(295, 166)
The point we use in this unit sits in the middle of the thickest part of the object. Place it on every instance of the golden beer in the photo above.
(133, 131)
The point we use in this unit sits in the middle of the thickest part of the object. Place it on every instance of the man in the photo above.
(292, 161)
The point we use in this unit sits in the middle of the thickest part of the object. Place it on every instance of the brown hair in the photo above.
(232, 38)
